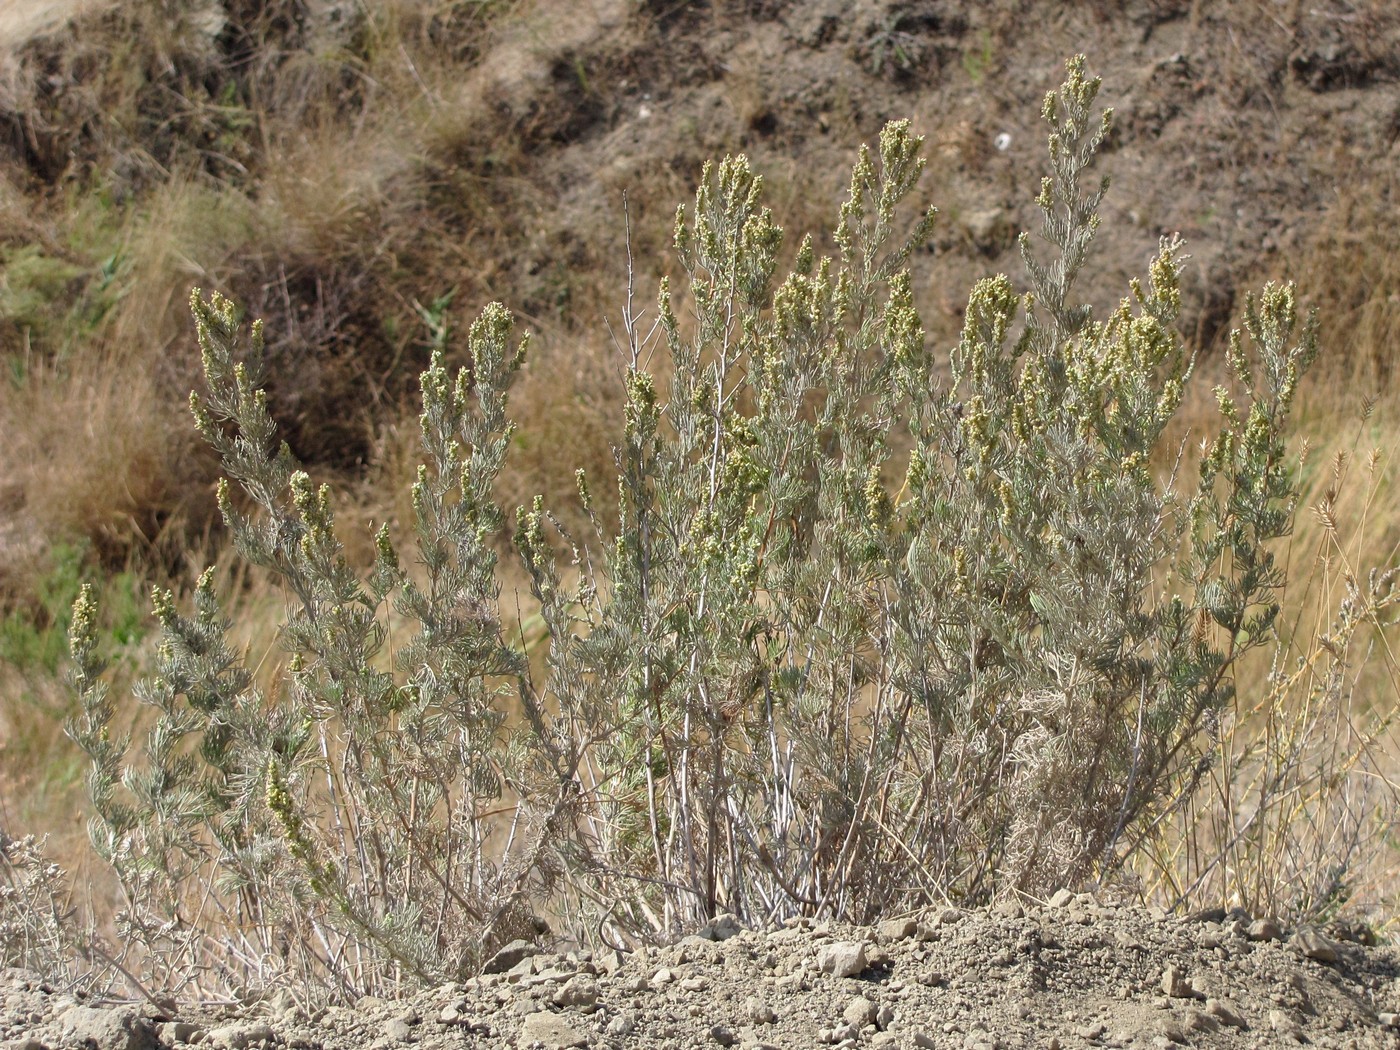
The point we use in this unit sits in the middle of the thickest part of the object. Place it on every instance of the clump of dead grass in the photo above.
(1294, 815)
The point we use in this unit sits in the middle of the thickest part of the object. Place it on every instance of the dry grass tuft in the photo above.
(1351, 268)
(1297, 813)
(93, 452)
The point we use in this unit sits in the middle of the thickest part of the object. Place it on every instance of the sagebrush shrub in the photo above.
(872, 627)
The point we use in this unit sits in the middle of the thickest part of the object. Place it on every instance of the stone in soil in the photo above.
(1081, 973)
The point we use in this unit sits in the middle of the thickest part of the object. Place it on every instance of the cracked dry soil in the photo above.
(1076, 973)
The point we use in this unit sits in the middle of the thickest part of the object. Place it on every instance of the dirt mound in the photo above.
(1076, 973)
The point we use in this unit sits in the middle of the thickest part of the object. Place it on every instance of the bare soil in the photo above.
(1076, 972)
(1238, 125)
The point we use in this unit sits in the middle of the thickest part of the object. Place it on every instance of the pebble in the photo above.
(509, 957)
(721, 927)
(548, 1031)
(453, 1013)
(240, 1035)
(860, 1012)
(896, 929)
(854, 987)
(1176, 985)
(1283, 1023)
(580, 992)
(759, 1012)
(842, 958)
(1313, 945)
(398, 1031)
(1226, 1012)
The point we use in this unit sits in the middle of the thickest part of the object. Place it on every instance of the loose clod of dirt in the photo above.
(1076, 973)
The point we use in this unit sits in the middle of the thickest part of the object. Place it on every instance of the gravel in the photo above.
(1075, 973)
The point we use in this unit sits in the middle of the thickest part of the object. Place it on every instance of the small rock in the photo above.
(1061, 899)
(842, 958)
(759, 1012)
(509, 957)
(398, 1031)
(1264, 930)
(1389, 1020)
(896, 929)
(721, 927)
(1226, 1012)
(723, 1035)
(661, 978)
(925, 1041)
(1009, 910)
(180, 1032)
(1280, 1021)
(1176, 985)
(454, 1012)
(122, 1029)
(580, 992)
(548, 1032)
(1312, 945)
(860, 1012)
(525, 968)
(241, 1034)
(884, 1017)
(620, 1025)
(1200, 1021)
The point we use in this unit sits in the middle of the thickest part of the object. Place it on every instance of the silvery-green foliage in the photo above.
(336, 820)
(835, 699)
(876, 626)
